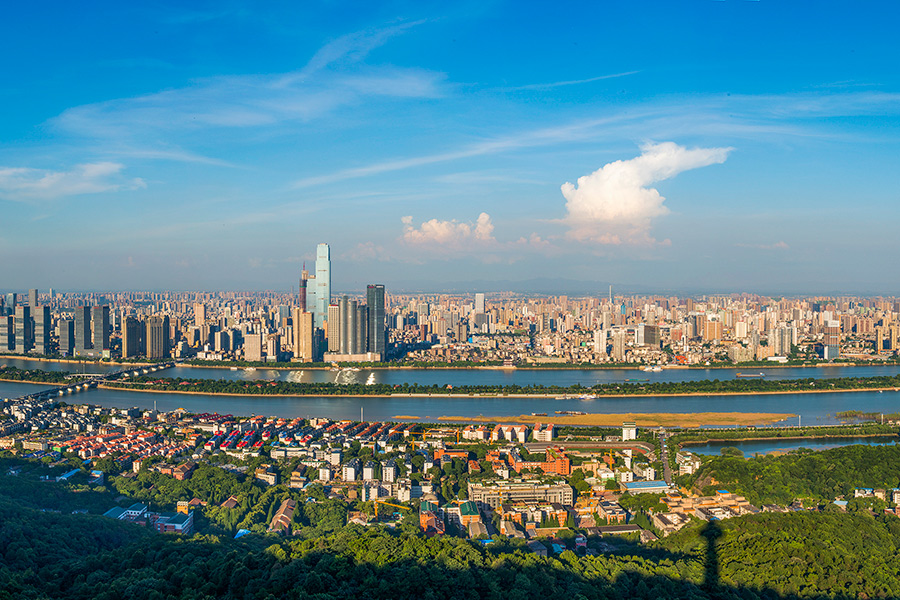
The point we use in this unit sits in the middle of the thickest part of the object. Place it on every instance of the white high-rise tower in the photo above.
(322, 283)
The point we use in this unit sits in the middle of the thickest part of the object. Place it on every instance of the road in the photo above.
(664, 457)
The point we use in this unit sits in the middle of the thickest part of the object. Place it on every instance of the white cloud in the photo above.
(330, 80)
(22, 183)
(615, 205)
(449, 234)
(555, 84)
(781, 245)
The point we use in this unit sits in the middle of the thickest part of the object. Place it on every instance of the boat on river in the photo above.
(750, 375)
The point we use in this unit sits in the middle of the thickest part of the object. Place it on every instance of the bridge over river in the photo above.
(92, 380)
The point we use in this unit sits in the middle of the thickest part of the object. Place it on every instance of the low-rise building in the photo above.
(669, 522)
(646, 487)
(281, 521)
(182, 523)
(267, 474)
(494, 494)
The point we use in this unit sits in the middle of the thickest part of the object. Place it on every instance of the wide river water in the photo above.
(523, 377)
(814, 409)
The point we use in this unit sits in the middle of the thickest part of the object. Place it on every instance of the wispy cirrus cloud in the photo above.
(556, 84)
(333, 78)
(568, 133)
(735, 117)
(24, 184)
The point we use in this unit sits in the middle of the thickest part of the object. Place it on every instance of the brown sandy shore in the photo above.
(641, 419)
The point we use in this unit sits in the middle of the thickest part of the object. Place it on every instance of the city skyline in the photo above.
(718, 148)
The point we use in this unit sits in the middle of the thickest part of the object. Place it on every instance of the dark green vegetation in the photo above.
(858, 414)
(14, 374)
(817, 476)
(709, 435)
(49, 555)
(735, 386)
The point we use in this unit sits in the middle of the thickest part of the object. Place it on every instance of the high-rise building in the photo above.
(33, 299)
(304, 335)
(24, 332)
(349, 329)
(7, 333)
(253, 347)
(600, 342)
(479, 303)
(133, 332)
(619, 346)
(199, 314)
(780, 340)
(42, 325)
(66, 337)
(376, 325)
(323, 283)
(11, 303)
(82, 330)
(304, 283)
(712, 331)
(157, 337)
(360, 339)
(831, 340)
(334, 328)
(100, 327)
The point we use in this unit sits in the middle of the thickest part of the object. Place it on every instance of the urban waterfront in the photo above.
(814, 409)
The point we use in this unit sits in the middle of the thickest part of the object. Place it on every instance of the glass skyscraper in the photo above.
(322, 283)
(375, 303)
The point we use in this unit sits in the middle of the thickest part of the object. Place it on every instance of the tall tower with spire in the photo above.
(304, 279)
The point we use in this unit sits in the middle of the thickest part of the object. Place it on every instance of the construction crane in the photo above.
(377, 502)
(412, 438)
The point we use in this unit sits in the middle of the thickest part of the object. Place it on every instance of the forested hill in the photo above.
(765, 556)
(820, 476)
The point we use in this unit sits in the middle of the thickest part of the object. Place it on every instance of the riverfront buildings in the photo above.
(505, 329)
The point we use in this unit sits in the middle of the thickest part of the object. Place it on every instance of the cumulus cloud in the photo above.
(22, 183)
(615, 205)
(450, 234)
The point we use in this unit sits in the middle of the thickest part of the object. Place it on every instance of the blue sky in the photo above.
(706, 145)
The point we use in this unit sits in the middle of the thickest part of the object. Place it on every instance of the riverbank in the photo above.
(640, 419)
(548, 395)
(47, 383)
(73, 361)
(554, 367)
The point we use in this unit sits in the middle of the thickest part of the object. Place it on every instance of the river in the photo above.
(814, 409)
(456, 377)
